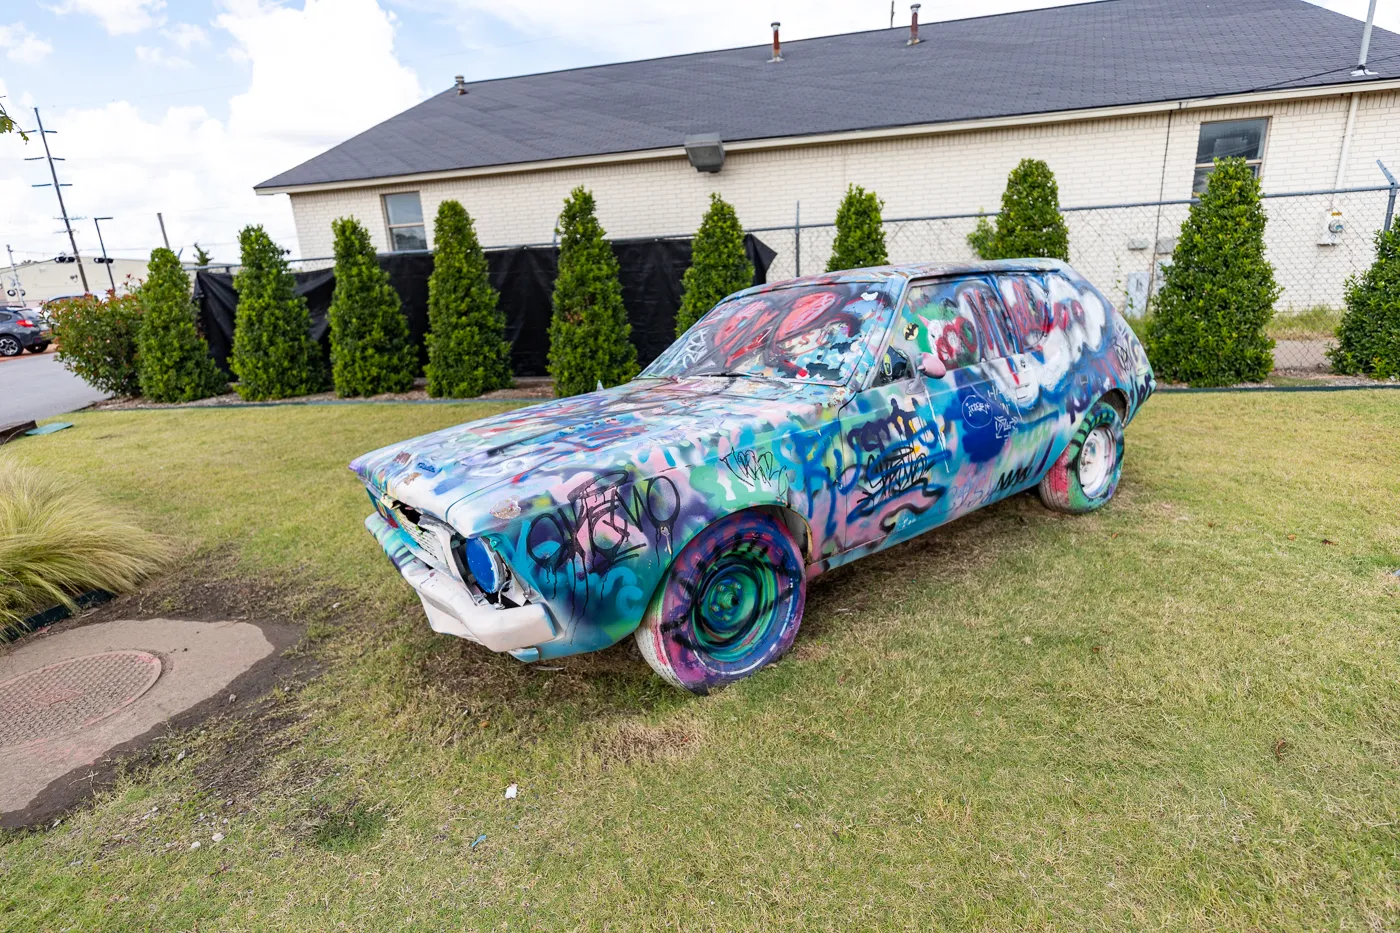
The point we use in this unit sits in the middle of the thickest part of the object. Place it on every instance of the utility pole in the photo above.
(97, 222)
(58, 190)
(161, 221)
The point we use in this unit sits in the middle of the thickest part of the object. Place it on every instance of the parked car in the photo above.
(22, 329)
(795, 428)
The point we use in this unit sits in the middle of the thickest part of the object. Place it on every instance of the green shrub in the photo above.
(1208, 324)
(97, 340)
(718, 264)
(1368, 338)
(467, 350)
(860, 233)
(57, 541)
(174, 361)
(370, 350)
(590, 341)
(1030, 223)
(273, 353)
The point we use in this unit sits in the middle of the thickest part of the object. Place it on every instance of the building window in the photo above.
(405, 215)
(1229, 139)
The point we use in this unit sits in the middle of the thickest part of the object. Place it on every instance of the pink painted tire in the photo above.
(730, 604)
(1086, 475)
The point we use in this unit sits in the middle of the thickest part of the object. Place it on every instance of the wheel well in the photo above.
(1119, 401)
(796, 524)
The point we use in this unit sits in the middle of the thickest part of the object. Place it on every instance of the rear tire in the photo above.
(730, 604)
(1086, 475)
(38, 348)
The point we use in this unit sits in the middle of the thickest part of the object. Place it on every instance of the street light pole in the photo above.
(58, 190)
(97, 222)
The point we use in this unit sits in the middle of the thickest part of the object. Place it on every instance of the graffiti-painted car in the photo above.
(795, 428)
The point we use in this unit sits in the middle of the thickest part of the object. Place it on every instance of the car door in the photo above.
(924, 444)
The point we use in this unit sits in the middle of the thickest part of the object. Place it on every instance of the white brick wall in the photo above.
(1096, 162)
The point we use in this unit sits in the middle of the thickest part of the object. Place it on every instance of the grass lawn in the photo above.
(1182, 712)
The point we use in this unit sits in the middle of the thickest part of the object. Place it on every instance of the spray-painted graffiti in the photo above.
(808, 408)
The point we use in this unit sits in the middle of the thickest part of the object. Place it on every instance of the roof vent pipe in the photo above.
(1361, 70)
(777, 46)
(913, 24)
(461, 85)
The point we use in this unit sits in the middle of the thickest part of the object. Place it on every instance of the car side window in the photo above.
(958, 320)
(1027, 303)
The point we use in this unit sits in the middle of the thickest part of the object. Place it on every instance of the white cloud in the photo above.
(186, 35)
(158, 58)
(118, 17)
(23, 46)
(317, 75)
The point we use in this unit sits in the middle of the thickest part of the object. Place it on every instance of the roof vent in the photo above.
(777, 46)
(705, 152)
(913, 24)
(461, 85)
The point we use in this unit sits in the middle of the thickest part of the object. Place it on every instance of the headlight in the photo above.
(488, 568)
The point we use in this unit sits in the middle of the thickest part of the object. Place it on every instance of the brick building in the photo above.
(1127, 100)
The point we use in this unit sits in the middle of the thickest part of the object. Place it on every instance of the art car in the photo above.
(797, 427)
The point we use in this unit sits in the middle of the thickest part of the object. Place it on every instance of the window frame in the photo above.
(894, 337)
(390, 227)
(1256, 163)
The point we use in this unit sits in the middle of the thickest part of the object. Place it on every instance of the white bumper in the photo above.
(452, 611)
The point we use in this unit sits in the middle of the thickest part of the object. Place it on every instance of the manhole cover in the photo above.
(73, 694)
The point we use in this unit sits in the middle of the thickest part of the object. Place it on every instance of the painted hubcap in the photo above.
(1097, 460)
(735, 602)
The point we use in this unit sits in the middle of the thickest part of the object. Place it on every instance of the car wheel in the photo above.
(730, 604)
(1086, 475)
(9, 346)
(38, 348)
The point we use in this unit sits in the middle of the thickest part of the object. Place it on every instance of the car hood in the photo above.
(648, 424)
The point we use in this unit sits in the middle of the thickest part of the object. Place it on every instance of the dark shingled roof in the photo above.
(1109, 53)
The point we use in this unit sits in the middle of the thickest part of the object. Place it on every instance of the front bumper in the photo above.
(453, 610)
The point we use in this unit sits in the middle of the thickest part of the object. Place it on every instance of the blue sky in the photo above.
(181, 106)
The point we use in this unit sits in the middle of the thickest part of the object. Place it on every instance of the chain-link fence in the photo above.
(1315, 240)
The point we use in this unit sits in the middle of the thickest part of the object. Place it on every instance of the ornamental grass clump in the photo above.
(173, 359)
(273, 353)
(468, 353)
(1368, 337)
(1030, 224)
(860, 232)
(1209, 323)
(370, 349)
(590, 339)
(58, 541)
(718, 264)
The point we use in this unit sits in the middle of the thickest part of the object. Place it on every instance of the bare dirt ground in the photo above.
(526, 388)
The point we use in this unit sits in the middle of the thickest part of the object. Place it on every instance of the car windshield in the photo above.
(806, 333)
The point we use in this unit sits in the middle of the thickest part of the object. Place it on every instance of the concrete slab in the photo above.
(197, 661)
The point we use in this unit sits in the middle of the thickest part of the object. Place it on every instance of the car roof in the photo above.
(915, 270)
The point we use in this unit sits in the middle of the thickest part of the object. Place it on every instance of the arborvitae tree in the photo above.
(718, 264)
(370, 351)
(467, 350)
(860, 234)
(590, 341)
(1207, 324)
(1030, 223)
(273, 353)
(1368, 338)
(172, 358)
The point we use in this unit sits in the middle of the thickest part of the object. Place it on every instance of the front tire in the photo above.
(730, 604)
(1086, 475)
(9, 346)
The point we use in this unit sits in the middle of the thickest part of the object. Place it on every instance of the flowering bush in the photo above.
(96, 339)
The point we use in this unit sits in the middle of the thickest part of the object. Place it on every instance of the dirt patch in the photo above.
(243, 707)
(525, 388)
(632, 741)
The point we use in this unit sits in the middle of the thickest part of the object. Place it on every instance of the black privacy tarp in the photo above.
(650, 271)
